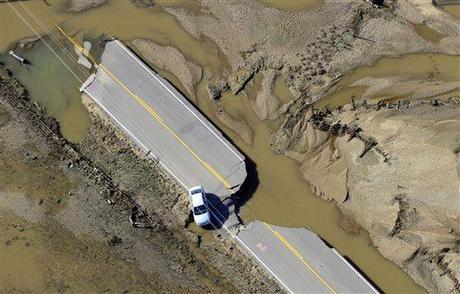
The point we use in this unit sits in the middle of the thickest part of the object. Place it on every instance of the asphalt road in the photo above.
(167, 127)
(301, 261)
(163, 123)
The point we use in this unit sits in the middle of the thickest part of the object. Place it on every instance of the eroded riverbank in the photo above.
(275, 197)
(274, 192)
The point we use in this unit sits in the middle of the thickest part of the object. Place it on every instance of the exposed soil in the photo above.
(341, 35)
(172, 60)
(81, 215)
(394, 167)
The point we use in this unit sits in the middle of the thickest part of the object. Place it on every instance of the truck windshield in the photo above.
(196, 191)
(200, 209)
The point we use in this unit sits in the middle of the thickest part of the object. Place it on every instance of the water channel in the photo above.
(282, 197)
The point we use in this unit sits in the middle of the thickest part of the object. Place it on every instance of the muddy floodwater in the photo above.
(62, 100)
(428, 33)
(453, 9)
(45, 83)
(423, 67)
(282, 196)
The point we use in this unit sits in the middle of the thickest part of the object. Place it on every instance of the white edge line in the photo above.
(265, 265)
(183, 185)
(177, 98)
(355, 271)
(235, 236)
(223, 225)
(147, 150)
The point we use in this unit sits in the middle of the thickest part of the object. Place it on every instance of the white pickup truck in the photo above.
(199, 206)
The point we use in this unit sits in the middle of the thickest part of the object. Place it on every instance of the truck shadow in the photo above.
(247, 189)
(219, 211)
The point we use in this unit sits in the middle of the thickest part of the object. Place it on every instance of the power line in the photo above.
(44, 42)
(43, 25)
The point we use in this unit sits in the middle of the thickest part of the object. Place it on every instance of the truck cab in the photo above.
(199, 206)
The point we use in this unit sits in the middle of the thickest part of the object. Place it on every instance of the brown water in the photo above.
(418, 66)
(117, 18)
(281, 90)
(120, 19)
(428, 33)
(453, 9)
(282, 196)
(51, 85)
(191, 5)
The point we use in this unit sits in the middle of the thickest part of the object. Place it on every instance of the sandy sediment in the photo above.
(408, 198)
(404, 86)
(406, 201)
(29, 42)
(82, 5)
(172, 60)
(189, 74)
(313, 49)
(340, 36)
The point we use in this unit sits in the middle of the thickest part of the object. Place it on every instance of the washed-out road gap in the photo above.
(168, 128)
(297, 258)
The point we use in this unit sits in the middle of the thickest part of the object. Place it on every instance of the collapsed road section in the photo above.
(169, 129)
(164, 124)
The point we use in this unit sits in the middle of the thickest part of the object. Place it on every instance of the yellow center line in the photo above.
(160, 120)
(204, 163)
(81, 49)
(300, 257)
(155, 115)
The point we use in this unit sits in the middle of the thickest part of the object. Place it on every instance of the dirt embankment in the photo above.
(395, 172)
(91, 190)
(312, 49)
(172, 60)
